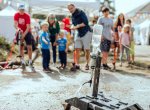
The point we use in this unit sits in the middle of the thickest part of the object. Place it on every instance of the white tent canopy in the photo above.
(144, 32)
(8, 11)
(60, 6)
(6, 23)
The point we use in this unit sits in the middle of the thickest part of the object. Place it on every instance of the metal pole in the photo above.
(96, 75)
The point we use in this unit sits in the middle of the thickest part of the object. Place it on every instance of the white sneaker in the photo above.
(54, 65)
(30, 64)
(120, 64)
(23, 65)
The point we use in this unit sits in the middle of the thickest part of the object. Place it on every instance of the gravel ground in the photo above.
(47, 91)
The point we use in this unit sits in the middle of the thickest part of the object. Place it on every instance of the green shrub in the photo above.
(4, 43)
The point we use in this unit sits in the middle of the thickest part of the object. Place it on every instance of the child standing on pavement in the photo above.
(132, 51)
(125, 43)
(63, 48)
(45, 46)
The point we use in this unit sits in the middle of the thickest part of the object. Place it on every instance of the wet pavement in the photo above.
(47, 91)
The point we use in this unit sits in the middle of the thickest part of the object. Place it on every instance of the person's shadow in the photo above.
(35, 76)
(61, 75)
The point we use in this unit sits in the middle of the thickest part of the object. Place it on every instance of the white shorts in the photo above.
(84, 42)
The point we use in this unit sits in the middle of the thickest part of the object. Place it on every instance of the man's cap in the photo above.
(21, 6)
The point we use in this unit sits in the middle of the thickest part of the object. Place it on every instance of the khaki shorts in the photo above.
(84, 42)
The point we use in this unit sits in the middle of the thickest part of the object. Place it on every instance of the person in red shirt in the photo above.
(67, 24)
(22, 22)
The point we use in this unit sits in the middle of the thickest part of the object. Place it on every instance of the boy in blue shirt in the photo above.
(63, 48)
(45, 46)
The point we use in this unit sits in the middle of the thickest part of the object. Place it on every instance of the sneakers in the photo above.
(60, 67)
(23, 66)
(45, 70)
(114, 66)
(87, 67)
(75, 67)
(30, 64)
(120, 65)
(54, 65)
(106, 67)
(49, 69)
(64, 67)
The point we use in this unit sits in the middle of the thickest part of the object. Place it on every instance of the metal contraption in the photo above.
(97, 101)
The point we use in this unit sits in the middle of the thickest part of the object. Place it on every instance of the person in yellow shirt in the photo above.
(132, 46)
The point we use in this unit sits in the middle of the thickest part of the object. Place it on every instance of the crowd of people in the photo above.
(117, 35)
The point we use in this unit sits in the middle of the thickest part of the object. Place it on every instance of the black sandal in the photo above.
(73, 68)
(87, 67)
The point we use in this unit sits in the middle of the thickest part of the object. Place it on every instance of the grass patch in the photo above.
(4, 44)
(4, 48)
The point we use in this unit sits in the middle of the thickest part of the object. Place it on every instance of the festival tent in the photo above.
(144, 8)
(7, 29)
(145, 32)
(60, 6)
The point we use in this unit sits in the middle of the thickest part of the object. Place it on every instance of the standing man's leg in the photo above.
(28, 40)
(29, 47)
(22, 53)
(77, 56)
(87, 56)
(105, 57)
(78, 46)
(105, 47)
(86, 40)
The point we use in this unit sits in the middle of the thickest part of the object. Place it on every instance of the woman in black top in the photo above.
(54, 29)
(119, 23)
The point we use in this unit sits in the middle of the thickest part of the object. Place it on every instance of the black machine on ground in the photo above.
(97, 101)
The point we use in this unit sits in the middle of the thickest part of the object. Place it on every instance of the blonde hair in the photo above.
(50, 15)
(62, 31)
(44, 23)
(126, 26)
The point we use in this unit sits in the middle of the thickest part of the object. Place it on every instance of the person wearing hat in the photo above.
(106, 38)
(22, 23)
